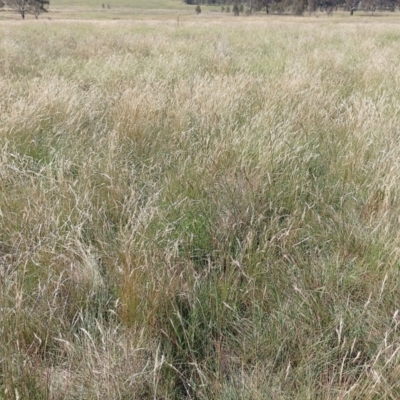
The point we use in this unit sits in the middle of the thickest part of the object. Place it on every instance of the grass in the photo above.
(204, 211)
(140, 4)
(120, 9)
(175, 11)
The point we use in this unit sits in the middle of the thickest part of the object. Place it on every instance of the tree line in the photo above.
(299, 7)
(24, 7)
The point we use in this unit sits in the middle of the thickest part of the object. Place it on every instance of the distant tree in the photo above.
(353, 5)
(20, 6)
(298, 8)
(198, 9)
(1, 4)
(264, 4)
(235, 10)
(39, 7)
(311, 6)
(23, 7)
(252, 5)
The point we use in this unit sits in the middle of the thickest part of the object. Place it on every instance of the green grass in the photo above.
(204, 211)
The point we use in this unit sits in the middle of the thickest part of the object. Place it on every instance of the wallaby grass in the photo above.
(199, 212)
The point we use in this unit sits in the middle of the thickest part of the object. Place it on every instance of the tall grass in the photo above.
(204, 211)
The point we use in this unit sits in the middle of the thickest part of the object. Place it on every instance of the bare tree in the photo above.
(39, 7)
(23, 7)
(20, 6)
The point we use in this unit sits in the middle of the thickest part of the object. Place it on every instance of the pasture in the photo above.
(207, 210)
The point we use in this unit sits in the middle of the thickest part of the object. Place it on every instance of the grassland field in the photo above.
(202, 210)
(119, 9)
(158, 10)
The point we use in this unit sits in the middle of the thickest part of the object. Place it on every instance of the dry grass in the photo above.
(203, 211)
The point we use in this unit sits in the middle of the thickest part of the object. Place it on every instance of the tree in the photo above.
(198, 9)
(23, 7)
(298, 7)
(39, 7)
